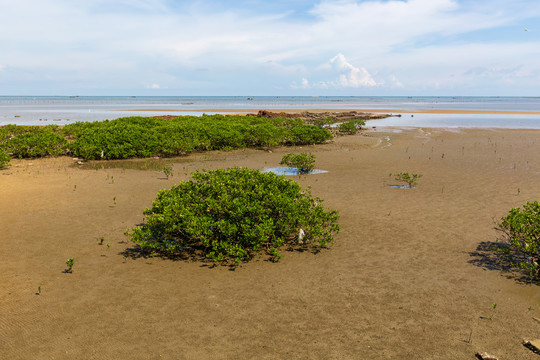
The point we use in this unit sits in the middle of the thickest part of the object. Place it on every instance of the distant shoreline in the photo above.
(518, 112)
(386, 111)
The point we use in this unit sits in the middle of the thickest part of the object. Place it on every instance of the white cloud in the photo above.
(395, 82)
(153, 86)
(304, 84)
(349, 75)
(344, 75)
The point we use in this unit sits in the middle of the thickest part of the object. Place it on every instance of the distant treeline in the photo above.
(133, 137)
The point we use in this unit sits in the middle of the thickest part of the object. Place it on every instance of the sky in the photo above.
(279, 47)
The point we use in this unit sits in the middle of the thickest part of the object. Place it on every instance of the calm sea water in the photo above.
(27, 110)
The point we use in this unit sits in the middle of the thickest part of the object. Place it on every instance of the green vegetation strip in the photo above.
(139, 137)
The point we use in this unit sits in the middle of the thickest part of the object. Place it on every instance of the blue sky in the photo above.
(256, 47)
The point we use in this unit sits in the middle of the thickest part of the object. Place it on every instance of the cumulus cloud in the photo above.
(304, 84)
(395, 82)
(349, 75)
(344, 75)
(153, 86)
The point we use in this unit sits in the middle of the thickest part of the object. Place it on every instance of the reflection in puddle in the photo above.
(291, 171)
(401, 186)
(149, 164)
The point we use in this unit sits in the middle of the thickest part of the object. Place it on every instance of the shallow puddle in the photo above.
(150, 164)
(291, 171)
(401, 186)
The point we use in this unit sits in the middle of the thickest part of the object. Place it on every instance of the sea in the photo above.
(61, 110)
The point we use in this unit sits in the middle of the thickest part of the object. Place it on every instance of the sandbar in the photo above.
(383, 111)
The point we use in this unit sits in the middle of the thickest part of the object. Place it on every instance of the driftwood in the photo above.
(533, 345)
(486, 356)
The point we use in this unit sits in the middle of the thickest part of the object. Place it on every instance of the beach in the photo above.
(409, 276)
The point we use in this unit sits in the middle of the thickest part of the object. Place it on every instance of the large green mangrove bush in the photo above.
(233, 214)
(146, 137)
(521, 229)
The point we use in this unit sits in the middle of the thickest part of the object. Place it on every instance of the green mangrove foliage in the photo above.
(5, 159)
(146, 137)
(232, 214)
(32, 141)
(410, 179)
(324, 123)
(38, 144)
(521, 229)
(69, 263)
(351, 127)
(303, 162)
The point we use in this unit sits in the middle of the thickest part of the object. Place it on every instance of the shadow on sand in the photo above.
(196, 255)
(486, 257)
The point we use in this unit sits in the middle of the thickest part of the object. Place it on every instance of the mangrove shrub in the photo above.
(351, 127)
(233, 214)
(303, 162)
(521, 229)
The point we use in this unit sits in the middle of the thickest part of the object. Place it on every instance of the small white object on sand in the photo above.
(301, 235)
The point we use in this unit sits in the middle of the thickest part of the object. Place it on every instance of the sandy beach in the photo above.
(409, 275)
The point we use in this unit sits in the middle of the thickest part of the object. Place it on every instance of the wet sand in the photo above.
(407, 278)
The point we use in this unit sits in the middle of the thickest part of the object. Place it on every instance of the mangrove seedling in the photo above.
(69, 264)
(493, 307)
(101, 241)
(410, 179)
(167, 170)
